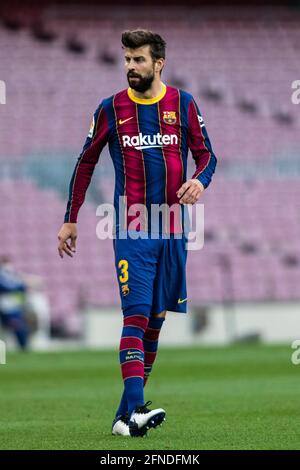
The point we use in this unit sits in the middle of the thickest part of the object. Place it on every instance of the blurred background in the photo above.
(58, 60)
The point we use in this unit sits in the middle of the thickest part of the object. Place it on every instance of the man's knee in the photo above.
(159, 315)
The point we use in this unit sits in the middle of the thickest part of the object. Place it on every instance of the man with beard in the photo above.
(149, 128)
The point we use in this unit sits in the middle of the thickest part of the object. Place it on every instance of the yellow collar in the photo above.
(147, 100)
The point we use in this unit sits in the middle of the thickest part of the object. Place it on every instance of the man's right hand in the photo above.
(67, 239)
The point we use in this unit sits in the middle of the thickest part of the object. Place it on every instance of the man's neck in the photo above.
(155, 90)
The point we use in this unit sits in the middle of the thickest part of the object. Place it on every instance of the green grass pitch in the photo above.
(240, 397)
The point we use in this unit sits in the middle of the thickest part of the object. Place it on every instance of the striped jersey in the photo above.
(148, 142)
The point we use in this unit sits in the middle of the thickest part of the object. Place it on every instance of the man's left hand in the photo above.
(190, 191)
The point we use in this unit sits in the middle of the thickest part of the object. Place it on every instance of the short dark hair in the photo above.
(143, 37)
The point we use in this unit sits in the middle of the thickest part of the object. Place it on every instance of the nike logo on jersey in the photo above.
(122, 121)
(180, 301)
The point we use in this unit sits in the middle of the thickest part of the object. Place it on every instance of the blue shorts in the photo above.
(152, 272)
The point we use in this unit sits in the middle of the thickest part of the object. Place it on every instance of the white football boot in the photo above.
(143, 419)
(120, 426)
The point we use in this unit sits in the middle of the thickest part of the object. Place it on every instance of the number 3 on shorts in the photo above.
(123, 265)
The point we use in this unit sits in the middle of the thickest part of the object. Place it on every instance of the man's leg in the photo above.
(16, 323)
(150, 341)
(135, 323)
(136, 262)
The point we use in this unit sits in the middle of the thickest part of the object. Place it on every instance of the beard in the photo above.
(141, 84)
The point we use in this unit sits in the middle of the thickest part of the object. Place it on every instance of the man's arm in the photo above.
(205, 159)
(81, 178)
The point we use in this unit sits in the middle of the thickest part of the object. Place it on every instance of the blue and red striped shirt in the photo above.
(148, 142)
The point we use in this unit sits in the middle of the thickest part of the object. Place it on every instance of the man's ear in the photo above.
(159, 65)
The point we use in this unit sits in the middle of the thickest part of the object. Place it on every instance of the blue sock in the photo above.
(149, 357)
(134, 387)
(132, 357)
(123, 406)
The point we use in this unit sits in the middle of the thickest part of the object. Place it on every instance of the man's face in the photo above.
(140, 68)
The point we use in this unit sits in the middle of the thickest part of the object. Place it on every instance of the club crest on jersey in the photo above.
(169, 117)
(125, 289)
